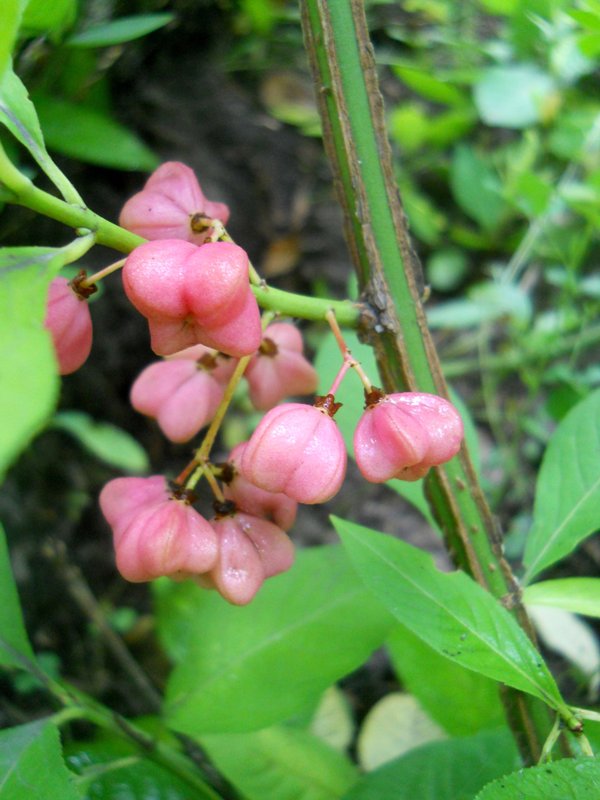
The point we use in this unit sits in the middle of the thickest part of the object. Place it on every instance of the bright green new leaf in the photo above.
(105, 441)
(12, 629)
(463, 702)
(476, 187)
(450, 612)
(32, 766)
(450, 770)
(54, 17)
(513, 96)
(281, 764)
(117, 31)
(88, 135)
(28, 373)
(17, 112)
(245, 668)
(569, 779)
(567, 495)
(579, 595)
(11, 17)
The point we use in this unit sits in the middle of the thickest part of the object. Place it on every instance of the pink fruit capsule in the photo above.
(180, 394)
(274, 506)
(297, 449)
(194, 295)
(70, 324)
(172, 206)
(402, 435)
(250, 550)
(279, 368)
(157, 532)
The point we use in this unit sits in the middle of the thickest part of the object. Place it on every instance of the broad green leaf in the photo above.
(54, 17)
(80, 132)
(463, 702)
(333, 720)
(12, 629)
(140, 779)
(579, 595)
(513, 96)
(105, 441)
(476, 187)
(393, 726)
(449, 611)
(17, 112)
(281, 763)
(485, 302)
(11, 17)
(569, 779)
(28, 373)
(430, 87)
(32, 766)
(567, 495)
(120, 30)
(245, 668)
(450, 770)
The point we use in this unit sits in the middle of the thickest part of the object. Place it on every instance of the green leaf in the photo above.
(450, 612)
(477, 188)
(12, 11)
(139, 780)
(579, 595)
(79, 132)
(31, 764)
(17, 112)
(41, 16)
(567, 496)
(449, 770)
(124, 29)
(430, 87)
(28, 374)
(105, 441)
(246, 668)
(569, 779)
(485, 302)
(463, 702)
(281, 764)
(12, 629)
(513, 96)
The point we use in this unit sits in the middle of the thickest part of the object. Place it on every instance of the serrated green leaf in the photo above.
(245, 668)
(450, 612)
(569, 779)
(281, 764)
(567, 496)
(105, 441)
(463, 702)
(28, 374)
(513, 96)
(80, 132)
(12, 629)
(449, 770)
(18, 114)
(117, 31)
(32, 766)
(579, 595)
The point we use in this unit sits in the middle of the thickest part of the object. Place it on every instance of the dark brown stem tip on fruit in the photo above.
(224, 471)
(187, 496)
(373, 396)
(268, 348)
(224, 508)
(82, 292)
(327, 403)
(207, 362)
(199, 223)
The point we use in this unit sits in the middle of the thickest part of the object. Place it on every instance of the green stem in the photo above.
(389, 277)
(315, 308)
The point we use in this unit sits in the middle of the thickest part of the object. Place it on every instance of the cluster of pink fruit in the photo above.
(203, 318)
